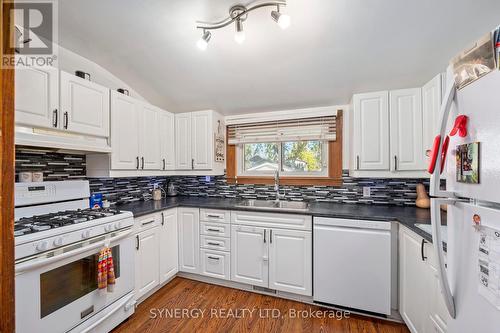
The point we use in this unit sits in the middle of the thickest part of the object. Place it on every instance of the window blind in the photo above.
(305, 129)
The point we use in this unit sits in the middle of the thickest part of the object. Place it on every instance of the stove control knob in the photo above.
(108, 227)
(58, 241)
(42, 246)
(118, 225)
(86, 234)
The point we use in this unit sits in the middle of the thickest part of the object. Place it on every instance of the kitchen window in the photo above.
(305, 151)
(292, 158)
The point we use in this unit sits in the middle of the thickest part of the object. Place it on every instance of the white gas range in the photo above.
(57, 244)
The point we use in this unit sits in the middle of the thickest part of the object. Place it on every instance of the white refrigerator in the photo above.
(473, 303)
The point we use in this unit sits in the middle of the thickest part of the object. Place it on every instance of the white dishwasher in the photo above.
(352, 264)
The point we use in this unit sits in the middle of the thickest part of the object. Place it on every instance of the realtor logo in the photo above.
(35, 33)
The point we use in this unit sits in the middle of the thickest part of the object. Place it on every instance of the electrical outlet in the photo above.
(366, 191)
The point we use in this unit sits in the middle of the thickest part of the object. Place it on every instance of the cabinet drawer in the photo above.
(215, 264)
(215, 243)
(215, 229)
(146, 222)
(213, 215)
(272, 220)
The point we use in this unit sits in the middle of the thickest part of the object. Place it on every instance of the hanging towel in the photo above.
(110, 271)
(102, 272)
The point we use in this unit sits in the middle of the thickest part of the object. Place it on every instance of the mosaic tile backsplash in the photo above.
(58, 166)
(55, 166)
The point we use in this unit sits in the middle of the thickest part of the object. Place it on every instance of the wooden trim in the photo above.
(334, 166)
(7, 305)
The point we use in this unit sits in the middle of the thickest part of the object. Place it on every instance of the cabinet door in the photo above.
(215, 264)
(169, 255)
(147, 258)
(406, 130)
(189, 239)
(290, 261)
(183, 141)
(84, 106)
(431, 104)
(125, 114)
(371, 131)
(167, 140)
(249, 255)
(413, 283)
(37, 97)
(150, 138)
(201, 145)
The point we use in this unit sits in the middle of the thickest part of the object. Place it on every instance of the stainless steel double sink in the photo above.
(274, 205)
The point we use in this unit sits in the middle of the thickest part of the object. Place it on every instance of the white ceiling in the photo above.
(333, 49)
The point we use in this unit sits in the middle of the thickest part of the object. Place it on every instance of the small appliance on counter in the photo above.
(171, 190)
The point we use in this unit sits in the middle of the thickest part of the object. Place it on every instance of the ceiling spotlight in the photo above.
(283, 20)
(239, 37)
(203, 41)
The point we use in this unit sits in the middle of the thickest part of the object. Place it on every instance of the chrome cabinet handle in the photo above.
(142, 162)
(65, 124)
(214, 216)
(213, 258)
(164, 164)
(357, 162)
(395, 162)
(214, 244)
(137, 165)
(215, 230)
(162, 218)
(192, 164)
(271, 236)
(137, 243)
(55, 116)
(147, 222)
(265, 235)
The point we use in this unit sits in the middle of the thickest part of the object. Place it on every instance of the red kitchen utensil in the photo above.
(460, 126)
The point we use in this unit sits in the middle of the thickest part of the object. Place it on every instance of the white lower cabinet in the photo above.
(189, 239)
(249, 255)
(421, 304)
(169, 250)
(272, 257)
(290, 264)
(147, 270)
(215, 263)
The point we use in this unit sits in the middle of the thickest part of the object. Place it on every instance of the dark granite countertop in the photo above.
(407, 216)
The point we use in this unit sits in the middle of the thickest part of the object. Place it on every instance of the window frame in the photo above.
(240, 161)
(334, 177)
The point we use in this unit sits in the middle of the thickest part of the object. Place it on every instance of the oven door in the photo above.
(57, 290)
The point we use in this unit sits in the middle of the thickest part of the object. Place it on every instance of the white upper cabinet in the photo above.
(84, 106)
(431, 104)
(183, 157)
(290, 264)
(371, 131)
(202, 140)
(150, 137)
(406, 130)
(125, 116)
(37, 97)
(194, 140)
(167, 140)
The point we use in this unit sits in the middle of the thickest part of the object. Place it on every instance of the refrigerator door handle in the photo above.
(435, 184)
(437, 243)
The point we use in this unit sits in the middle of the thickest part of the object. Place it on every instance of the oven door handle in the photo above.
(23, 267)
(109, 314)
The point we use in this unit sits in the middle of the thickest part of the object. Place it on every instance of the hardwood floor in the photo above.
(222, 305)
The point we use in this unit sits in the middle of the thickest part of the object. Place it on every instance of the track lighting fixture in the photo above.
(203, 41)
(283, 20)
(238, 14)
